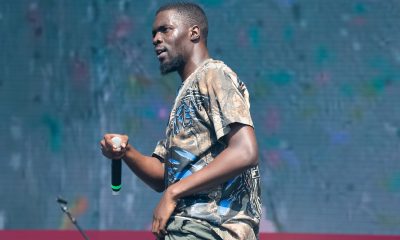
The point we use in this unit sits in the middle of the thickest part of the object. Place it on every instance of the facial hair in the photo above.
(171, 66)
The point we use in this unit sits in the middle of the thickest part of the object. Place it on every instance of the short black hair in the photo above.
(193, 14)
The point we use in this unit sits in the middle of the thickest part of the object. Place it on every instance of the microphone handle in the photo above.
(116, 165)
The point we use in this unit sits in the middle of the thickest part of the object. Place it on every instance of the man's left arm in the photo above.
(240, 154)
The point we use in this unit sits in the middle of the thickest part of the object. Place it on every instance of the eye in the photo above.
(162, 29)
(165, 29)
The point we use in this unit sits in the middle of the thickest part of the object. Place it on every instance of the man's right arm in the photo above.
(148, 169)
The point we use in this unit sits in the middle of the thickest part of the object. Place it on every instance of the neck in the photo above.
(195, 60)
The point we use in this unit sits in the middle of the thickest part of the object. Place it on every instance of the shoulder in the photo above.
(216, 71)
(217, 65)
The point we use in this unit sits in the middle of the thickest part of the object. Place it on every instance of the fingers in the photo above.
(109, 144)
(158, 227)
(106, 147)
(104, 150)
(107, 141)
(125, 140)
(163, 232)
(161, 227)
(109, 150)
(154, 228)
(102, 144)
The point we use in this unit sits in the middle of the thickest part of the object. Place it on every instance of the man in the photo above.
(207, 163)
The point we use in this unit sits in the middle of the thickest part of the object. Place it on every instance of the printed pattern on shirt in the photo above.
(209, 100)
(184, 115)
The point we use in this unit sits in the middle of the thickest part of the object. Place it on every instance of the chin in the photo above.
(165, 70)
(171, 66)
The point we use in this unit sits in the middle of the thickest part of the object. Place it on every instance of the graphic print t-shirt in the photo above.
(208, 101)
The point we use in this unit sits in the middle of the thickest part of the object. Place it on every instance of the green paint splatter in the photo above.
(388, 221)
(281, 78)
(347, 90)
(309, 112)
(357, 114)
(394, 183)
(133, 123)
(385, 68)
(54, 132)
(360, 8)
(272, 142)
(262, 88)
(149, 113)
(379, 83)
(288, 33)
(254, 34)
(211, 3)
(322, 55)
(376, 86)
(137, 84)
(134, 86)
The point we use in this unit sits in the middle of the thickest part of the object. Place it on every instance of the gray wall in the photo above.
(324, 82)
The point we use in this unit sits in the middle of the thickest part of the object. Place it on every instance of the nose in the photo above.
(157, 39)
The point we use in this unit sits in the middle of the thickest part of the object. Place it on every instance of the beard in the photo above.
(173, 65)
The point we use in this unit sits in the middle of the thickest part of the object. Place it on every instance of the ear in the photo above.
(194, 32)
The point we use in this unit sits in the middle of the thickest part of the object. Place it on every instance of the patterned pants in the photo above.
(180, 228)
(183, 228)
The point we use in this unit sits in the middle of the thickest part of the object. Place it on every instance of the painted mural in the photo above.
(324, 80)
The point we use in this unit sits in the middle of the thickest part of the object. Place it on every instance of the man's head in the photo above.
(176, 29)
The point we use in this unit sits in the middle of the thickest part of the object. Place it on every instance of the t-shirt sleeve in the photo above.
(160, 151)
(229, 100)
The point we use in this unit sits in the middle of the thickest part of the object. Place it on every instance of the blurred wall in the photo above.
(324, 83)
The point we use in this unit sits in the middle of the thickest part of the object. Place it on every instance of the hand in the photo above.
(163, 212)
(110, 151)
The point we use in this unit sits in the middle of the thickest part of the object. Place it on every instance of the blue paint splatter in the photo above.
(290, 157)
(339, 137)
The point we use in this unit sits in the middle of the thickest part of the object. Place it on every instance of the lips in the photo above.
(161, 52)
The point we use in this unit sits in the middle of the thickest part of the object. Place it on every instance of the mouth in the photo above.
(161, 52)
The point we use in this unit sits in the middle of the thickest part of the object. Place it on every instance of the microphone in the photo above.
(61, 200)
(116, 168)
(64, 208)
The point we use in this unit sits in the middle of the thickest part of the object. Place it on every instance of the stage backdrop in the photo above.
(324, 81)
